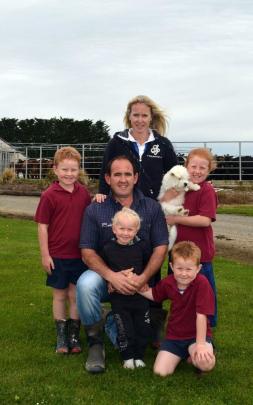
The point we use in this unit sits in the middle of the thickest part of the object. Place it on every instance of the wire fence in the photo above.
(33, 161)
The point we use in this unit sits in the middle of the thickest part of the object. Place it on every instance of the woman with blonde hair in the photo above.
(145, 142)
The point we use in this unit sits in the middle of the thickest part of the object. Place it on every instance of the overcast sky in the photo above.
(86, 58)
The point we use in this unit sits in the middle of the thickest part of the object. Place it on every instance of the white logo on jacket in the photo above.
(155, 149)
(177, 178)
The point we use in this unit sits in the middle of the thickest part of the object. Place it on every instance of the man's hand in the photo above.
(138, 281)
(122, 282)
(48, 264)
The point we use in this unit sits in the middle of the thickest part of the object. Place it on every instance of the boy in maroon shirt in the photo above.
(202, 205)
(188, 332)
(59, 216)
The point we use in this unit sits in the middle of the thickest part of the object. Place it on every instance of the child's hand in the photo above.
(202, 352)
(111, 289)
(99, 198)
(171, 219)
(128, 272)
(144, 288)
(169, 195)
(48, 264)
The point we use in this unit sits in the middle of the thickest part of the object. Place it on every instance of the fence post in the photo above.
(240, 160)
(26, 160)
(83, 156)
(40, 162)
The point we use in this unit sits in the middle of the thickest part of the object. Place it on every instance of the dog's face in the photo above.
(177, 177)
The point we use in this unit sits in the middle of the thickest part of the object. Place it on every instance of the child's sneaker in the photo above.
(62, 336)
(139, 363)
(129, 364)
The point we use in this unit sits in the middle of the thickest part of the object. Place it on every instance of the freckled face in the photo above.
(67, 172)
(198, 169)
(185, 271)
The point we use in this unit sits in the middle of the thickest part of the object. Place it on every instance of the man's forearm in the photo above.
(96, 263)
(119, 280)
(155, 262)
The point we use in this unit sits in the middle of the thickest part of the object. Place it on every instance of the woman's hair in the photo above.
(67, 152)
(158, 117)
(129, 214)
(203, 153)
(186, 250)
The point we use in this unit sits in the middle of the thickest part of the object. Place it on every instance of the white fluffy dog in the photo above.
(177, 178)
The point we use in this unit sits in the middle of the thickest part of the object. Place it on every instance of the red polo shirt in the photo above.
(198, 297)
(62, 211)
(202, 202)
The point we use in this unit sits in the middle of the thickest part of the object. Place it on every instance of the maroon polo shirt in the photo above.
(202, 202)
(62, 211)
(198, 297)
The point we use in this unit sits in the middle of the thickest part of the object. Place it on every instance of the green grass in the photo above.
(246, 210)
(31, 373)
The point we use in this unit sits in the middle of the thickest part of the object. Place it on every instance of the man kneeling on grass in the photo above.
(188, 333)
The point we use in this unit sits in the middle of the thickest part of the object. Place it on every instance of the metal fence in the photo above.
(235, 159)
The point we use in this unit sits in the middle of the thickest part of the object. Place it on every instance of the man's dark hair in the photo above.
(121, 157)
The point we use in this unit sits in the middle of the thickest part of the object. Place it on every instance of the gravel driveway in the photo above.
(233, 233)
(234, 237)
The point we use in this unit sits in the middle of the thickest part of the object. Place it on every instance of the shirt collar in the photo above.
(56, 186)
(174, 283)
(151, 137)
(137, 196)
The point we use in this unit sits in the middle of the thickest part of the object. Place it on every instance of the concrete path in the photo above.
(233, 233)
(18, 206)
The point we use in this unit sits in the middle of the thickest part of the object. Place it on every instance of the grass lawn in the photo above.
(31, 373)
(242, 209)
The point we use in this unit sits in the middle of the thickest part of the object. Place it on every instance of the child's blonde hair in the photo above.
(186, 250)
(67, 152)
(203, 153)
(158, 117)
(129, 214)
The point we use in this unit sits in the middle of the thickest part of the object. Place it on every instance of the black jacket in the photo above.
(158, 158)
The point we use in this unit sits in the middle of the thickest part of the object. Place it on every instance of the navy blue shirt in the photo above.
(96, 227)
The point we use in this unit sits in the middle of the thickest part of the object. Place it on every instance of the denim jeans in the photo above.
(91, 291)
(207, 271)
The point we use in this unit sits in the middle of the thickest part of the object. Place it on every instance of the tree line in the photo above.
(53, 130)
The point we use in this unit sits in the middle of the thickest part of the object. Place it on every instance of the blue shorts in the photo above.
(66, 271)
(179, 347)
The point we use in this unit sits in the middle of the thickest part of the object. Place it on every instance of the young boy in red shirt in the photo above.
(59, 216)
(188, 332)
(202, 205)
